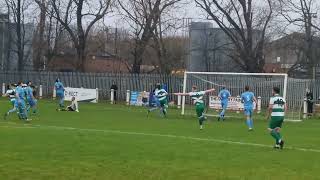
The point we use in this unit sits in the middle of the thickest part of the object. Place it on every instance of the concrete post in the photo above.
(128, 97)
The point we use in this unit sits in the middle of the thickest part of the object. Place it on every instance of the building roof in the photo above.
(293, 38)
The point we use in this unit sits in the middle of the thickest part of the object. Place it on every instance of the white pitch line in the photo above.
(154, 135)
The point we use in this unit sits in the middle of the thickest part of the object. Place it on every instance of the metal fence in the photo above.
(146, 82)
(102, 81)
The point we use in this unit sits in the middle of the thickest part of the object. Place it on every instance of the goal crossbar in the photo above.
(241, 74)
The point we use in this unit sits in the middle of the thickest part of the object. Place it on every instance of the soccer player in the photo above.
(197, 97)
(248, 98)
(277, 109)
(11, 93)
(73, 106)
(32, 101)
(161, 96)
(224, 95)
(20, 102)
(59, 93)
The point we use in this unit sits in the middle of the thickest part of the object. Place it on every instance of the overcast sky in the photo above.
(186, 11)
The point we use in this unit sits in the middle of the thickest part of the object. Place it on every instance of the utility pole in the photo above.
(314, 69)
(2, 46)
(3, 21)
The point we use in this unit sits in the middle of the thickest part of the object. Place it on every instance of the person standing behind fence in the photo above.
(115, 89)
(59, 93)
(309, 97)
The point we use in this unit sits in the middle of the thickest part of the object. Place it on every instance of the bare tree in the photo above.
(164, 36)
(245, 24)
(17, 9)
(143, 17)
(301, 13)
(160, 47)
(39, 41)
(81, 11)
(55, 38)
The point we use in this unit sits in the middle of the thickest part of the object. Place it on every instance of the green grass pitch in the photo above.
(116, 142)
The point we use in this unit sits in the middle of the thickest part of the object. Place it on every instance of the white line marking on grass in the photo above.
(154, 135)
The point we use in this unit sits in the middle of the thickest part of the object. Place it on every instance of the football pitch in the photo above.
(117, 142)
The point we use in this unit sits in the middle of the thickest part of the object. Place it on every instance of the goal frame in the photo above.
(229, 74)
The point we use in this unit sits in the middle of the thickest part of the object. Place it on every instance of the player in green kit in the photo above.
(161, 95)
(277, 109)
(11, 94)
(197, 97)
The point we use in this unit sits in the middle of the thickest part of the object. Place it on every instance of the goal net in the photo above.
(260, 84)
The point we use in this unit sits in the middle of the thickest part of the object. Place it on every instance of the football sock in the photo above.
(164, 111)
(251, 123)
(201, 119)
(275, 135)
(248, 122)
(152, 109)
(222, 113)
(12, 110)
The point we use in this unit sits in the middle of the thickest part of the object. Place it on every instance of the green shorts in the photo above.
(163, 103)
(199, 109)
(276, 122)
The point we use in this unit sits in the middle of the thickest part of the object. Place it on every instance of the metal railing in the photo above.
(146, 82)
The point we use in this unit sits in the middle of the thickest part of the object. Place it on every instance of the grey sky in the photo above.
(186, 11)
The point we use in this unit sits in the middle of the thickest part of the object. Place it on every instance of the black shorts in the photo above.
(70, 109)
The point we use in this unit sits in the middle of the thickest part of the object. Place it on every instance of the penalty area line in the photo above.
(28, 126)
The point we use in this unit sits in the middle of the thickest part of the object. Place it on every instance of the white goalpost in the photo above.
(260, 83)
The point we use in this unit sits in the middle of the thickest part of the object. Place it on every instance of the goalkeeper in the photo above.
(197, 97)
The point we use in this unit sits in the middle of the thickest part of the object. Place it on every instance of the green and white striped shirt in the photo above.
(197, 97)
(161, 94)
(278, 106)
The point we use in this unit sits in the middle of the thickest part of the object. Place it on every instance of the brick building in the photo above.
(98, 63)
(283, 54)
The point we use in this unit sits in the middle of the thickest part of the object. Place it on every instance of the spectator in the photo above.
(309, 96)
(115, 88)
